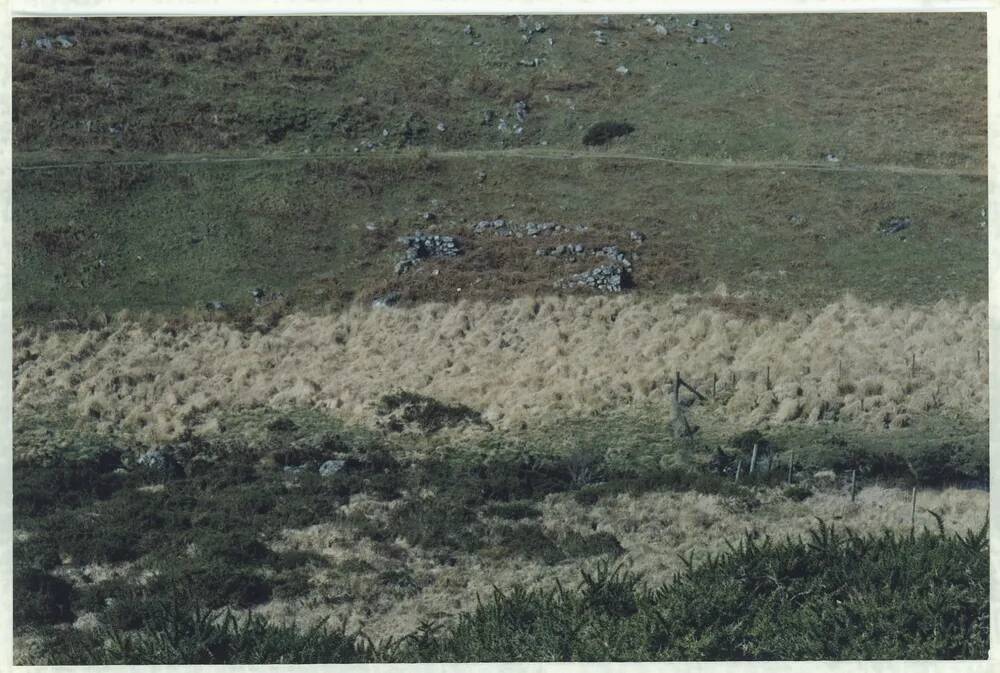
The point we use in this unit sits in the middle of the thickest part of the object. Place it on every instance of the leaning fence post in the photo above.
(739, 467)
(677, 386)
(753, 458)
(854, 474)
(913, 510)
(768, 377)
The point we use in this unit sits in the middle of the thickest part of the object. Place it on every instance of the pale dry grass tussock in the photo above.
(520, 361)
(653, 528)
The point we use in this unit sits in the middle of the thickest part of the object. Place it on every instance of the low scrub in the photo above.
(833, 596)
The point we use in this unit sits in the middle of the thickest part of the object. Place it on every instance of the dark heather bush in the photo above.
(603, 132)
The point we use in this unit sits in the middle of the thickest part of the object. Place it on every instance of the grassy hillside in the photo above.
(869, 88)
(169, 238)
(799, 231)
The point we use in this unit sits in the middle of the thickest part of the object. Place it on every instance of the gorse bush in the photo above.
(831, 595)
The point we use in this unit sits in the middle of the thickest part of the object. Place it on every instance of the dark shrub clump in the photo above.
(603, 132)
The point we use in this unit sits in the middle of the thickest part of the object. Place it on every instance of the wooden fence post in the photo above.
(739, 467)
(715, 380)
(791, 461)
(677, 386)
(768, 377)
(753, 458)
(913, 510)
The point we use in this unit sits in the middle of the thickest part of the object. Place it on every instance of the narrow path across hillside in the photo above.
(533, 153)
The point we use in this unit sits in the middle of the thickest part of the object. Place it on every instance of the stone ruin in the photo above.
(420, 246)
(605, 278)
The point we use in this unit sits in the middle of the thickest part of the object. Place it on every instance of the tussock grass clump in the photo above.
(797, 493)
(529, 374)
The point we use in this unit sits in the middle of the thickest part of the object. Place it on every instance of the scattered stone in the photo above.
(604, 21)
(621, 70)
(893, 225)
(65, 41)
(599, 37)
(796, 218)
(331, 467)
(700, 40)
(693, 23)
(385, 301)
(502, 227)
(606, 278)
(661, 29)
(23, 44)
(498, 226)
(44, 42)
(488, 116)
(467, 30)
(728, 27)
(529, 63)
(518, 130)
(480, 176)
(371, 226)
(613, 253)
(215, 306)
(832, 157)
(713, 39)
(503, 127)
(257, 294)
(158, 460)
(429, 216)
(441, 127)
(572, 249)
(521, 110)
(637, 236)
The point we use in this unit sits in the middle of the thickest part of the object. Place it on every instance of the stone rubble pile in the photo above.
(560, 250)
(420, 246)
(613, 253)
(605, 278)
(502, 227)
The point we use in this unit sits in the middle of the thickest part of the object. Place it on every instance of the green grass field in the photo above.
(783, 223)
